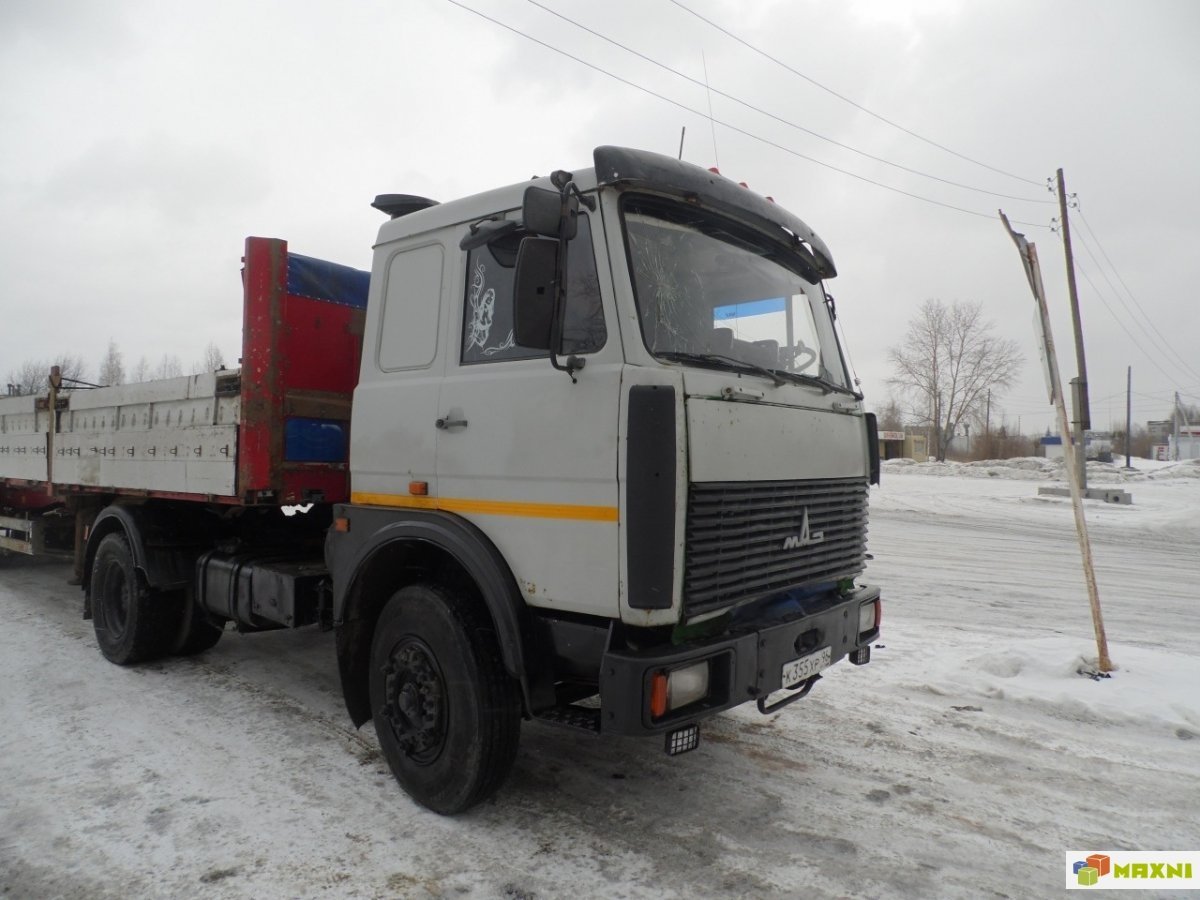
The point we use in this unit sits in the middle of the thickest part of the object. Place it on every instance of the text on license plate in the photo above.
(806, 667)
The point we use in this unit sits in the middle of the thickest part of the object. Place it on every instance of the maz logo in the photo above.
(805, 538)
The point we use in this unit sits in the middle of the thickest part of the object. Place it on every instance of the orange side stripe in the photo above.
(491, 507)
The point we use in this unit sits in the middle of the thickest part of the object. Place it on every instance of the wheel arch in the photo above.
(154, 535)
(402, 549)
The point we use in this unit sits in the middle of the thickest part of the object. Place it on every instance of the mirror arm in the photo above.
(589, 202)
(562, 180)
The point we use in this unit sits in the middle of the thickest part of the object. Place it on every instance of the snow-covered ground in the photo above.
(961, 762)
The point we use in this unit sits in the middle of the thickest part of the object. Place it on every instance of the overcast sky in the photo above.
(142, 140)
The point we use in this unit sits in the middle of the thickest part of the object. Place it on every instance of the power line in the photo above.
(771, 115)
(1149, 356)
(1140, 308)
(1179, 360)
(731, 127)
(846, 99)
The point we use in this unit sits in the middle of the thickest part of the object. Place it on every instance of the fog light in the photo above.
(681, 740)
(687, 685)
(868, 616)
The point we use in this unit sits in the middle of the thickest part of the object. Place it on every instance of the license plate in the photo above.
(806, 667)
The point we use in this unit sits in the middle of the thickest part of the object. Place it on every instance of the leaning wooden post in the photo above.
(55, 382)
(1034, 272)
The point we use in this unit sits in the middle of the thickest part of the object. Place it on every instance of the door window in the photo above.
(488, 334)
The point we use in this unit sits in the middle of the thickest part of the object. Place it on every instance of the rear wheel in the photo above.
(200, 630)
(446, 711)
(133, 624)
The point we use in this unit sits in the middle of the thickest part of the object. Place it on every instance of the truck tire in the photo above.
(133, 624)
(447, 713)
(201, 630)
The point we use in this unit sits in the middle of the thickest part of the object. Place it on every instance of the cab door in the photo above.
(525, 453)
(393, 441)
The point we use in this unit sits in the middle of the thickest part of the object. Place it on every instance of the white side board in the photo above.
(171, 435)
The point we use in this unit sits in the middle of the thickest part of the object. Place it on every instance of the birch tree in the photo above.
(112, 367)
(32, 376)
(950, 358)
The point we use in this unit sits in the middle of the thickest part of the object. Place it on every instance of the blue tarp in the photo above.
(308, 277)
(314, 440)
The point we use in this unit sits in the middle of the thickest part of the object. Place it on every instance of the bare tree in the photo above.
(891, 418)
(948, 361)
(212, 360)
(31, 376)
(168, 367)
(141, 371)
(112, 367)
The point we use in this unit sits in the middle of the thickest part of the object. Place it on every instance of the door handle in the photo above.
(445, 424)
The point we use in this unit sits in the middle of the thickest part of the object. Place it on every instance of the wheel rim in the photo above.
(115, 601)
(414, 701)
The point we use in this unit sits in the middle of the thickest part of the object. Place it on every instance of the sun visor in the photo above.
(620, 165)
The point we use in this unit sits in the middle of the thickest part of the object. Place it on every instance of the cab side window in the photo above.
(488, 306)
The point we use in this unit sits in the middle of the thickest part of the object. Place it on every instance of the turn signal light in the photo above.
(658, 695)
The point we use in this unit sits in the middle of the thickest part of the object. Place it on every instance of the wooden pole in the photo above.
(55, 382)
(1034, 272)
(1128, 415)
(1083, 414)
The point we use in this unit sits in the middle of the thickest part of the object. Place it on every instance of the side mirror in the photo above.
(542, 212)
(533, 290)
(873, 446)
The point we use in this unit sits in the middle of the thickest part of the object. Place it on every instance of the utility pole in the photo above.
(987, 425)
(1079, 398)
(1128, 414)
(1176, 415)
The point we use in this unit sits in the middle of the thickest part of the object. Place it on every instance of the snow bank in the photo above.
(1054, 675)
(1036, 468)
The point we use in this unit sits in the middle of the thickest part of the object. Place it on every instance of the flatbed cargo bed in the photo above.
(273, 432)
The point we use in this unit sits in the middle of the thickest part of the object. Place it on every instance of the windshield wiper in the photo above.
(778, 376)
(717, 361)
(824, 383)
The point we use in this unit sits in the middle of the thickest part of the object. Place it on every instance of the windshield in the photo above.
(706, 287)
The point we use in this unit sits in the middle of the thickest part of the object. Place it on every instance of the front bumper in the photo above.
(746, 664)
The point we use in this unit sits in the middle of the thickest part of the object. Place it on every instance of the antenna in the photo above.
(682, 133)
(711, 124)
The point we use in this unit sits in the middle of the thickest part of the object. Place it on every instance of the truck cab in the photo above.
(608, 469)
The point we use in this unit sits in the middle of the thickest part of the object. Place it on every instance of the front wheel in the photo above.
(446, 711)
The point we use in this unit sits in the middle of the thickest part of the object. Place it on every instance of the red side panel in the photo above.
(29, 499)
(300, 359)
(260, 437)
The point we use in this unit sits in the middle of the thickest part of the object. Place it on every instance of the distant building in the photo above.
(1186, 445)
(898, 445)
(1099, 446)
(1159, 431)
(1051, 447)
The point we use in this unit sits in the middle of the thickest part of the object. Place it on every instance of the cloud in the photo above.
(160, 180)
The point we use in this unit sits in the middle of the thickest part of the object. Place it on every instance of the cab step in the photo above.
(571, 715)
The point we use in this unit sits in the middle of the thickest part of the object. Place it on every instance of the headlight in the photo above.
(868, 616)
(674, 689)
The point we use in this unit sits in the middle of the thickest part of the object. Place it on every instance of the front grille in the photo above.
(743, 537)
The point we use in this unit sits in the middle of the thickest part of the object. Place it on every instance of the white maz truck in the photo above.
(583, 449)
